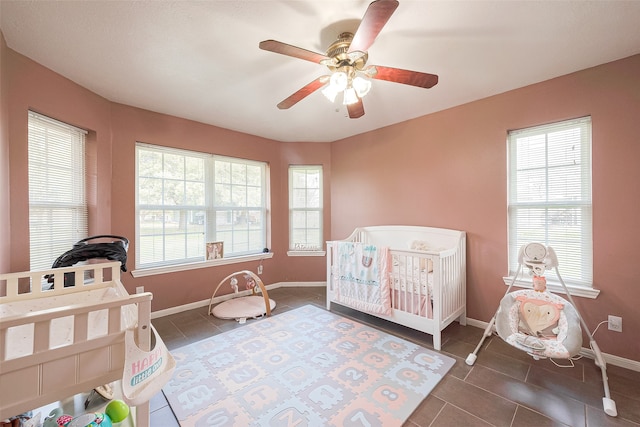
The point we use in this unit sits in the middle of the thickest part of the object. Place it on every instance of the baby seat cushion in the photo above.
(540, 323)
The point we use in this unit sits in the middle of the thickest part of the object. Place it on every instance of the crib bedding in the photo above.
(363, 285)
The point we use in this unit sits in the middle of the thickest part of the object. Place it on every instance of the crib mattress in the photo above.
(20, 338)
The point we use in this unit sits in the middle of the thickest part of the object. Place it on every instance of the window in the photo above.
(305, 208)
(57, 197)
(550, 195)
(187, 199)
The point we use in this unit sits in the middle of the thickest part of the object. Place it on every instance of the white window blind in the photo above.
(239, 205)
(305, 208)
(57, 197)
(550, 195)
(186, 199)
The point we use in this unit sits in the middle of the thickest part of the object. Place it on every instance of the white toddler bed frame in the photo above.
(63, 341)
(428, 275)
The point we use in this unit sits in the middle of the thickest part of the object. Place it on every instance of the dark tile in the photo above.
(457, 348)
(199, 329)
(468, 334)
(452, 416)
(171, 333)
(460, 369)
(426, 412)
(476, 401)
(618, 372)
(553, 405)
(628, 408)
(589, 393)
(597, 418)
(514, 368)
(562, 368)
(527, 418)
(621, 381)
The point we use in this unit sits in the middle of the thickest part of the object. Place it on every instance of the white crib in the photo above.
(55, 343)
(428, 275)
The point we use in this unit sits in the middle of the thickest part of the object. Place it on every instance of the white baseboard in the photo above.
(610, 359)
(179, 309)
(299, 284)
(216, 300)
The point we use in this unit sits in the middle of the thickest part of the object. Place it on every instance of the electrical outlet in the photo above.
(139, 289)
(615, 323)
(260, 269)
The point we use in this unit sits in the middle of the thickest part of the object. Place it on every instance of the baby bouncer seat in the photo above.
(242, 307)
(540, 323)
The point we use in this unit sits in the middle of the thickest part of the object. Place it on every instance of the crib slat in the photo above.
(41, 336)
(114, 319)
(12, 287)
(3, 346)
(80, 327)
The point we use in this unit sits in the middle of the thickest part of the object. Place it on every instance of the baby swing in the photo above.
(540, 323)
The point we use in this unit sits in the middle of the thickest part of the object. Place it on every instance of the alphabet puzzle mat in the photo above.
(304, 367)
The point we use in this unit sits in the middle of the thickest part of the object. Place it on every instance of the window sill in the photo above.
(196, 265)
(556, 287)
(306, 253)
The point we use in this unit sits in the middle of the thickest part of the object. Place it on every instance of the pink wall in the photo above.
(449, 170)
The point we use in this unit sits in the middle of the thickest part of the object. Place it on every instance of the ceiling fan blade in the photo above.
(289, 50)
(398, 75)
(303, 92)
(356, 109)
(376, 16)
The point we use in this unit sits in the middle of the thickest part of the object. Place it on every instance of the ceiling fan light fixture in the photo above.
(330, 92)
(350, 96)
(361, 85)
(339, 81)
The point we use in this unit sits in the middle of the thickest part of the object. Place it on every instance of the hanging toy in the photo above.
(251, 284)
(234, 284)
(539, 283)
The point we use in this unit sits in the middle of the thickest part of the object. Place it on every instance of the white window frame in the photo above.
(546, 182)
(57, 189)
(301, 204)
(204, 201)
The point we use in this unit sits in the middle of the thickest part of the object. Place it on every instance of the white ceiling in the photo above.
(200, 59)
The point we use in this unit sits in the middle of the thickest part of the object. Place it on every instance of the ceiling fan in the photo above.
(346, 58)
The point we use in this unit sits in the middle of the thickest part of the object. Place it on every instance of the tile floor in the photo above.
(505, 387)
